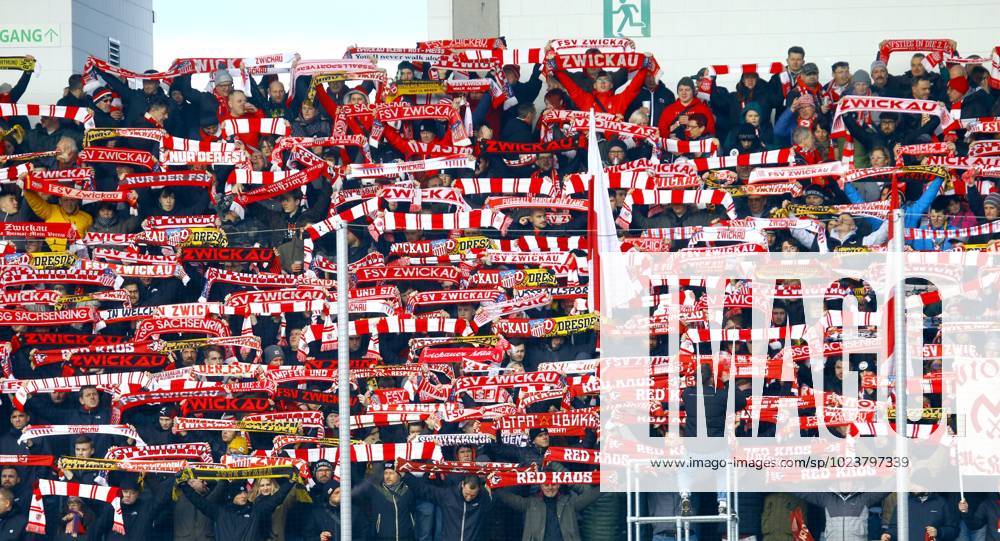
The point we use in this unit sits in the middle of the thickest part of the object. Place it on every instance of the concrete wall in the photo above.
(688, 35)
(128, 21)
(475, 18)
(55, 62)
(83, 28)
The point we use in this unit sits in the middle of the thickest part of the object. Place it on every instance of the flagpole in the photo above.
(343, 381)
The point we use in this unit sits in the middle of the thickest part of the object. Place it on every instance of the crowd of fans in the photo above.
(62, 169)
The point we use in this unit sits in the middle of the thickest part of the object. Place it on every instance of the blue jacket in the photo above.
(914, 211)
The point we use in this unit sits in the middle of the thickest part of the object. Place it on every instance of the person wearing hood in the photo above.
(802, 113)
(674, 120)
(238, 519)
(13, 208)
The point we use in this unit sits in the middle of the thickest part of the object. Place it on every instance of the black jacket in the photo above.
(986, 514)
(390, 507)
(715, 409)
(139, 516)
(135, 101)
(461, 520)
(233, 522)
(12, 525)
(931, 511)
(659, 99)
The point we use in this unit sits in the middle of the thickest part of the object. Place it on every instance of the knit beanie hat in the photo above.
(993, 200)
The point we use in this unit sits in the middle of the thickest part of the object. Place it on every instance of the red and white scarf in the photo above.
(784, 156)
(475, 219)
(674, 197)
(77, 114)
(760, 67)
(528, 186)
(374, 170)
(31, 432)
(133, 181)
(889, 46)
(80, 175)
(196, 452)
(238, 126)
(139, 158)
(936, 149)
(787, 174)
(45, 487)
(850, 104)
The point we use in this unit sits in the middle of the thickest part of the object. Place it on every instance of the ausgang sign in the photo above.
(29, 36)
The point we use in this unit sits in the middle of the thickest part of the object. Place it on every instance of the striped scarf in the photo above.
(45, 487)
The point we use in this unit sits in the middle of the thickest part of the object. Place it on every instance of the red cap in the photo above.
(959, 84)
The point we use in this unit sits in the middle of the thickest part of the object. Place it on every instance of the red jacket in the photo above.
(677, 109)
(603, 102)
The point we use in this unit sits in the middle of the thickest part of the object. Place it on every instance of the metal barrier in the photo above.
(635, 520)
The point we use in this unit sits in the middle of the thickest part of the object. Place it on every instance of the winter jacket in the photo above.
(461, 520)
(238, 522)
(929, 510)
(567, 505)
(135, 101)
(53, 213)
(846, 513)
(190, 524)
(986, 514)
(659, 98)
(678, 109)
(715, 409)
(18, 89)
(391, 507)
(12, 525)
(139, 516)
(602, 102)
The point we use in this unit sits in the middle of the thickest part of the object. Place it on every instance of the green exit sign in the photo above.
(626, 18)
(29, 36)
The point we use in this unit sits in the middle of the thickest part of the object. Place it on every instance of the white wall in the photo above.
(128, 21)
(439, 19)
(55, 64)
(686, 35)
